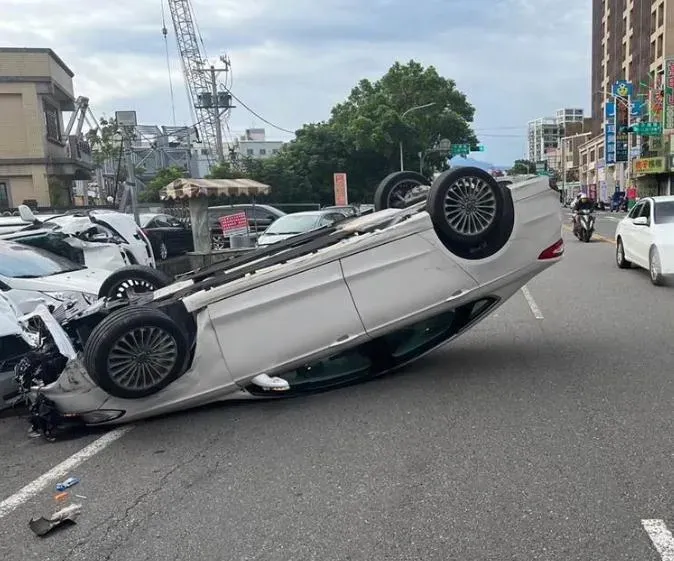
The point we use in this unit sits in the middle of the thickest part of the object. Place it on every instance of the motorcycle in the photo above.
(584, 227)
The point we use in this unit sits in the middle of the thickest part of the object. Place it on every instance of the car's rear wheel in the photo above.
(135, 352)
(132, 279)
(620, 255)
(400, 189)
(654, 267)
(466, 204)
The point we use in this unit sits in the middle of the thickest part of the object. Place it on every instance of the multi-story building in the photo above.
(544, 133)
(631, 39)
(253, 144)
(38, 163)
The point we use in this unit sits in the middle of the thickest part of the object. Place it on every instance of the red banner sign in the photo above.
(341, 190)
(233, 224)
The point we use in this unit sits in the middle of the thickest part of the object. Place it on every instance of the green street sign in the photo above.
(465, 149)
(647, 129)
(460, 149)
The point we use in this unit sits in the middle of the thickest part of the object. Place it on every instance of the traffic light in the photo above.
(477, 148)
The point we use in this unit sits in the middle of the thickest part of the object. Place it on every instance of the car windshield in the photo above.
(293, 224)
(145, 219)
(664, 213)
(20, 261)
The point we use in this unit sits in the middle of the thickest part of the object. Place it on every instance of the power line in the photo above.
(259, 116)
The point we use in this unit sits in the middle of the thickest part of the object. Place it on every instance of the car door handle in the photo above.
(341, 340)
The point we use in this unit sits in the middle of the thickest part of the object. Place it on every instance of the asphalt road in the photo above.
(526, 439)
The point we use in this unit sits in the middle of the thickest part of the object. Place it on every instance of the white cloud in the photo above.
(293, 60)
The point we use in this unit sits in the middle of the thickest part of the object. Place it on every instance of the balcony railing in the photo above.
(78, 149)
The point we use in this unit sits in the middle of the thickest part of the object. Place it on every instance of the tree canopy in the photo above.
(523, 167)
(362, 138)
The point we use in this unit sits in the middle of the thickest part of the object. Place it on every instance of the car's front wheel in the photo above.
(135, 352)
(400, 189)
(132, 279)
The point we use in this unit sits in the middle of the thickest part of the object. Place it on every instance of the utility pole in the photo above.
(217, 102)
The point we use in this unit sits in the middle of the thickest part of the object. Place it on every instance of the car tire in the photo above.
(620, 255)
(654, 267)
(136, 278)
(468, 190)
(162, 251)
(393, 189)
(135, 352)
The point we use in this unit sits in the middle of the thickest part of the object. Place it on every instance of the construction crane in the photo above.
(209, 103)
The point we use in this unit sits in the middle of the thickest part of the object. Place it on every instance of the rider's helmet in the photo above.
(582, 196)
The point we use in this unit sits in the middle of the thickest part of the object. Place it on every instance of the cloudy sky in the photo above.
(292, 60)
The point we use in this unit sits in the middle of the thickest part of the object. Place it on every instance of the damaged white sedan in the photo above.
(101, 239)
(330, 307)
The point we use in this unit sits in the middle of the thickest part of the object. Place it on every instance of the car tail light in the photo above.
(554, 251)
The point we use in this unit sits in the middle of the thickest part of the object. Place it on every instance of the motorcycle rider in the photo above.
(582, 202)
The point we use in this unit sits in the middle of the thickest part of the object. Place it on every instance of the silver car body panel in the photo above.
(318, 304)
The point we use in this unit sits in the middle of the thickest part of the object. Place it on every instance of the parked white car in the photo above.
(299, 223)
(98, 238)
(332, 306)
(645, 237)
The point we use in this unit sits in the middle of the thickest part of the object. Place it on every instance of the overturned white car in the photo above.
(333, 306)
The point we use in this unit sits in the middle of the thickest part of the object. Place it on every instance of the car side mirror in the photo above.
(27, 215)
(641, 221)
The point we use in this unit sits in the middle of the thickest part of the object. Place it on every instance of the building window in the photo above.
(661, 15)
(263, 151)
(660, 42)
(53, 123)
(250, 152)
(4, 195)
(274, 151)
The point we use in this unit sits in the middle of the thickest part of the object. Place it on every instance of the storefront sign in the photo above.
(644, 166)
(609, 131)
(668, 109)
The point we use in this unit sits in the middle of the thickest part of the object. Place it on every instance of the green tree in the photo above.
(103, 142)
(362, 136)
(161, 180)
(376, 116)
(522, 167)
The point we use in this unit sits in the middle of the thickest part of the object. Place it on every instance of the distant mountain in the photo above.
(459, 161)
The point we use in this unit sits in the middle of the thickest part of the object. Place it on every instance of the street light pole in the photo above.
(400, 143)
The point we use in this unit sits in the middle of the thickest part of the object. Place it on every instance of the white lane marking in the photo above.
(661, 537)
(60, 470)
(532, 303)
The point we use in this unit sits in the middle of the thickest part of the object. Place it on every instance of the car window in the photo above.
(262, 214)
(294, 224)
(636, 209)
(20, 261)
(385, 352)
(663, 213)
(173, 222)
(646, 210)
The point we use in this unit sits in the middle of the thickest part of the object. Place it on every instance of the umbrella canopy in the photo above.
(190, 188)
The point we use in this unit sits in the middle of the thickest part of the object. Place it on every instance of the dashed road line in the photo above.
(661, 537)
(532, 303)
(61, 470)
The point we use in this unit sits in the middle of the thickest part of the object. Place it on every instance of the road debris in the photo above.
(67, 484)
(66, 516)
